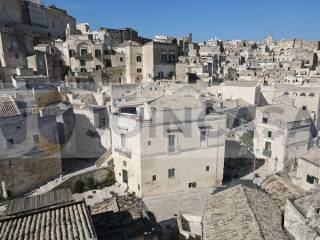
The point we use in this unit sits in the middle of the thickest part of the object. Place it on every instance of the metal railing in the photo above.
(122, 152)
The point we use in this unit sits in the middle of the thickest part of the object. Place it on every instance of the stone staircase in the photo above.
(104, 159)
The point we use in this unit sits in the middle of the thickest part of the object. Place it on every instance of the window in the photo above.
(172, 58)
(269, 134)
(172, 143)
(160, 75)
(35, 139)
(82, 63)
(107, 63)
(154, 178)
(121, 59)
(103, 122)
(286, 93)
(123, 141)
(83, 70)
(192, 185)
(98, 67)
(71, 53)
(302, 94)
(207, 168)
(171, 173)
(203, 138)
(163, 58)
(265, 120)
(139, 70)
(124, 176)
(139, 58)
(312, 179)
(83, 52)
(311, 95)
(97, 53)
(10, 143)
(149, 143)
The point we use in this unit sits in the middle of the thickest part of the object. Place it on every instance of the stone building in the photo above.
(47, 61)
(301, 217)
(10, 11)
(90, 137)
(166, 145)
(159, 60)
(281, 135)
(47, 22)
(30, 153)
(305, 97)
(15, 46)
(125, 34)
(249, 91)
(83, 54)
(132, 59)
(308, 170)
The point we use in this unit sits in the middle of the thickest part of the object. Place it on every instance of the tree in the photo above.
(247, 139)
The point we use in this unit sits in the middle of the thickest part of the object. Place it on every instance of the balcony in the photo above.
(174, 149)
(125, 153)
(267, 153)
(87, 56)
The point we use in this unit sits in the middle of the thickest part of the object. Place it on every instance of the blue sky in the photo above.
(226, 19)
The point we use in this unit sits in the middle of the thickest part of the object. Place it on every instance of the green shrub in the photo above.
(79, 186)
(109, 180)
(90, 183)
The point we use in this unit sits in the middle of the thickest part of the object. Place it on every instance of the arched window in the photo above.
(302, 94)
(139, 59)
(311, 95)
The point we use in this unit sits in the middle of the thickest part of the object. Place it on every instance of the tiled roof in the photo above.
(307, 206)
(242, 213)
(66, 222)
(8, 107)
(26, 204)
(280, 189)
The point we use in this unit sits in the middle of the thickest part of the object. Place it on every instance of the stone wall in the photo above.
(22, 175)
(97, 174)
